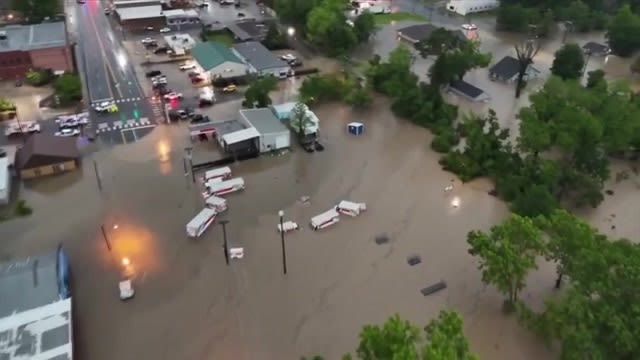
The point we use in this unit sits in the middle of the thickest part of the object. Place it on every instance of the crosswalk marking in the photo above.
(130, 124)
(119, 101)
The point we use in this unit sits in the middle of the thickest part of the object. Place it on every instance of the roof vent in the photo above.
(3, 35)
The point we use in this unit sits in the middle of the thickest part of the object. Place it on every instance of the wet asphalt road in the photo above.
(109, 76)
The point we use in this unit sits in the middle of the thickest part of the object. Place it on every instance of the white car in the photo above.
(67, 132)
(147, 40)
(186, 67)
(469, 27)
(69, 123)
(23, 128)
(165, 30)
(288, 57)
(126, 290)
(173, 96)
(103, 106)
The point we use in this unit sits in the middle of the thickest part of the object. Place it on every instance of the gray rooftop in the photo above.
(259, 56)
(28, 283)
(228, 126)
(34, 322)
(263, 120)
(32, 37)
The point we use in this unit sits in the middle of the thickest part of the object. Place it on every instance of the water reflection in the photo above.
(163, 151)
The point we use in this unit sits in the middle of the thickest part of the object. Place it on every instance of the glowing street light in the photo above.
(126, 261)
(291, 31)
(115, 227)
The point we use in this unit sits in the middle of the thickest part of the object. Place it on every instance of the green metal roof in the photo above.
(211, 54)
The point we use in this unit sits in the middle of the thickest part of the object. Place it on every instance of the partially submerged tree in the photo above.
(568, 62)
(525, 52)
(300, 120)
(507, 254)
(440, 41)
(257, 95)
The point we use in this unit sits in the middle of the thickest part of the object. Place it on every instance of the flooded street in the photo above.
(189, 305)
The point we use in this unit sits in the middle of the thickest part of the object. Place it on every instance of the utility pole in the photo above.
(95, 168)
(105, 237)
(225, 245)
(284, 252)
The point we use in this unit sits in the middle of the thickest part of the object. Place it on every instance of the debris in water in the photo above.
(434, 288)
(382, 239)
(414, 260)
(305, 199)
(609, 192)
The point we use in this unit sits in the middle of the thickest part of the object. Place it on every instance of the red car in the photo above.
(196, 80)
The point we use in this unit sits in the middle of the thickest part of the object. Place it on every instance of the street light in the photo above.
(284, 253)
(291, 31)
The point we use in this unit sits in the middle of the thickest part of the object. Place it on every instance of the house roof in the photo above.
(259, 56)
(263, 120)
(506, 68)
(139, 12)
(249, 29)
(595, 48)
(417, 32)
(466, 88)
(31, 37)
(211, 54)
(45, 149)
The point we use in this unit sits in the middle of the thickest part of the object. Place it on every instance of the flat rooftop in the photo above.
(139, 12)
(263, 120)
(228, 126)
(33, 37)
(35, 321)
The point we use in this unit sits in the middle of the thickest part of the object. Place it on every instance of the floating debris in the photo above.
(382, 239)
(441, 285)
(414, 260)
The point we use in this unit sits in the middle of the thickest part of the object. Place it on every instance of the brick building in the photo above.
(24, 47)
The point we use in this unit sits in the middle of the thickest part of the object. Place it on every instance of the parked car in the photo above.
(153, 73)
(205, 102)
(469, 27)
(241, 15)
(182, 114)
(107, 11)
(288, 57)
(198, 118)
(102, 106)
(197, 79)
(146, 40)
(229, 89)
(173, 96)
(188, 66)
(149, 28)
(163, 90)
(67, 132)
(161, 50)
(151, 45)
(193, 73)
(295, 63)
(165, 30)
(190, 112)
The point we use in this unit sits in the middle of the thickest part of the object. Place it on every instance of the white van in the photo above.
(325, 219)
(351, 208)
(216, 203)
(201, 222)
(225, 187)
(222, 173)
(288, 226)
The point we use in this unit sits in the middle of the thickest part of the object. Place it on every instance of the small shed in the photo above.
(273, 134)
(468, 91)
(45, 154)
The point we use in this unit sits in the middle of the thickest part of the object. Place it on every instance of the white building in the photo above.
(5, 181)
(177, 17)
(180, 42)
(261, 61)
(35, 309)
(273, 135)
(464, 7)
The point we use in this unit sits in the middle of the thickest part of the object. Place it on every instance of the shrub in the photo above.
(444, 141)
(22, 209)
(37, 77)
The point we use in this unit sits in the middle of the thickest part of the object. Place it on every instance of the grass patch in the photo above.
(385, 19)
(221, 37)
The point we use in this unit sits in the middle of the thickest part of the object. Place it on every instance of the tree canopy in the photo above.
(257, 95)
(36, 10)
(622, 31)
(398, 339)
(568, 62)
(68, 88)
(455, 63)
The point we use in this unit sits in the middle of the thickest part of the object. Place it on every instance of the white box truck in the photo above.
(225, 187)
(216, 203)
(222, 173)
(351, 208)
(201, 222)
(325, 219)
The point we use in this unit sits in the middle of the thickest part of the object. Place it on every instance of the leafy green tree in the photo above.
(320, 88)
(446, 339)
(441, 41)
(68, 88)
(257, 95)
(295, 11)
(398, 339)
(36, 10)
(512, 18)
(568, 62)
(6, 105)
(358, 95)
(525, 53)
(622, 32)
(507, 254)
(364, 26)
(596, 78)
(327, 28)
(393, 77)
(453, 65)
(300, 119)
(275, 39)
(579, 15)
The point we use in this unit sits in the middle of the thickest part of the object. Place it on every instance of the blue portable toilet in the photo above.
(355, 128)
